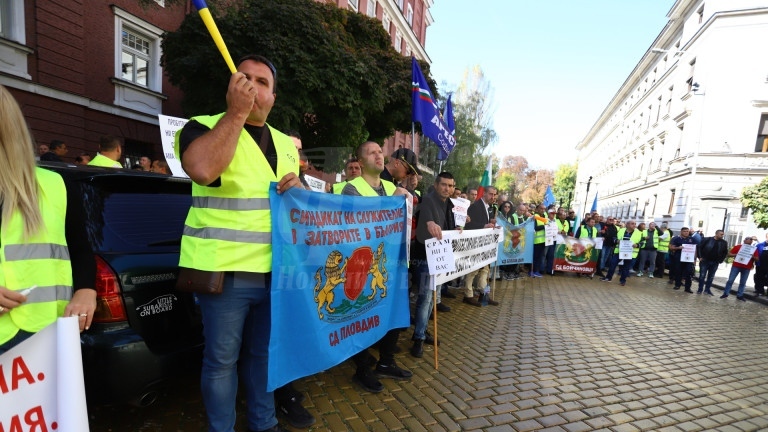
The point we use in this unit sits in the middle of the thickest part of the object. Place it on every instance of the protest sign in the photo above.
(745, 254)
(517, 244)
(168, 127)
(625, 249)
(576, 256)
(598, 242)
(315, 183)
(688, 254)
(460, 206)
(338, 278)
(472, 250)
(41, 382)
(550, 232)
(440, 258)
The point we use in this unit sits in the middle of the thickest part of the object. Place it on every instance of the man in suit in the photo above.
(481, 215)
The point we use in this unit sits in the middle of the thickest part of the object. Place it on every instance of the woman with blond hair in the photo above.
(41, 240)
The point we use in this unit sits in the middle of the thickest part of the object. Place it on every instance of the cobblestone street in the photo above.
(560, 354)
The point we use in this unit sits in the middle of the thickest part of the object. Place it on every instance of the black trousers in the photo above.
(387, 346)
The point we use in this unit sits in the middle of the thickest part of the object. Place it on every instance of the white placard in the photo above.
(598, 242)
(625, 249)
(168, 127)
(688, 254)
(315, 183)
(551, 230)
(745, 254)
(460, 206)
(473, 249)
(43, 379)
(440, 258)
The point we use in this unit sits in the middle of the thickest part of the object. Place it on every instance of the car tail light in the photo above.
(109, 302)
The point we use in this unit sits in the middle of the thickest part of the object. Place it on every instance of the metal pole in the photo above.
(587, 195)
(413, 135)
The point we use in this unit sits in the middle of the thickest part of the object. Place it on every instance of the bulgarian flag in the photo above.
(486, 181)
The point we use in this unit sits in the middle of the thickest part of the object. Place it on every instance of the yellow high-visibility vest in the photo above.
(229, 228)
(41, 261)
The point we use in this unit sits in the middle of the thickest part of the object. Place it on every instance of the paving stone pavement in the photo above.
(560, 354)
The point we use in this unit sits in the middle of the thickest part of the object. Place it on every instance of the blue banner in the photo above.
(517, 247)
(425, 112)
(339, 278)
(549, 197)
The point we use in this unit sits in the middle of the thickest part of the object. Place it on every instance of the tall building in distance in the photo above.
(406, 21)
(688, 129)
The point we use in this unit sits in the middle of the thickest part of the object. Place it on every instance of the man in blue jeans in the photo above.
(435, 215)
(740, 269)
(712, 251)
(232, 158)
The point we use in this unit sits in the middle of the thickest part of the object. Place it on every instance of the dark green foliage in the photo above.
(339, 81)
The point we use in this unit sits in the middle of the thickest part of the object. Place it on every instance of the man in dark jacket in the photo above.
(435, 217)
(608, 233)
(481, 215)
(712, 251)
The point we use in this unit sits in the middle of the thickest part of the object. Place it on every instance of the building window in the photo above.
(138, 76)
(400, 4)
(372, 8)
(700, 14)
(385, 21)
(658, 109)
(398, 40)
(671, 202)
(135, 57)
(761, 145)
(409, 15)
(744, 212)
(13, 51)
(669, 100)
(407, 50)
(689, 81)
(353, 4)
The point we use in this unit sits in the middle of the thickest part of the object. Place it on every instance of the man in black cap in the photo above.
(402, 163)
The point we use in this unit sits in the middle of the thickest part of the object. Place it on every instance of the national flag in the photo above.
(425, 112)
(486, 181)
(549, 197)
(449, 121)
(594, 204)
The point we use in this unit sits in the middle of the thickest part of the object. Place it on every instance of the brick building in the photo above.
(81, 70)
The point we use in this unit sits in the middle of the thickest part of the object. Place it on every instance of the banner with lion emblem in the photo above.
(339, 280)
(517, 247)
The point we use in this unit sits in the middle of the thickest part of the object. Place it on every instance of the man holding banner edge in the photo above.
(227, 230)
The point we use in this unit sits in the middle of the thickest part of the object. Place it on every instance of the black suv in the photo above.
(144, 332)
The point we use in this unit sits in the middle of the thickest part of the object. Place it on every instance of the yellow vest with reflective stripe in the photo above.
(634, 238)
(229, 228)
(338, 187)
(364, 189)
(539, 237)
(563, 226)
(42, 261)
(584, 233)
(664, 242)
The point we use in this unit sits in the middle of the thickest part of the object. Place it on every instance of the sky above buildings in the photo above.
(554, 65)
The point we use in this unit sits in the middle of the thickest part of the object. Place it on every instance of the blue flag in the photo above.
(450, 123)
(549, 197)
(425, 112)
(338, 278)
(517, 247)
(594, 204)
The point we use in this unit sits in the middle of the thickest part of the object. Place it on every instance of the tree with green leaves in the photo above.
(339, 81)
(755, 198)
(474, 130)
(565, 183)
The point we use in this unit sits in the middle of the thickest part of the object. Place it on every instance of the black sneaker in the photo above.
(741, 298)
(297, 415)
(392, 371)
(429, 340)
(448, 294)
(368, 381)
(443, 308)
